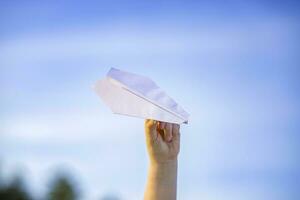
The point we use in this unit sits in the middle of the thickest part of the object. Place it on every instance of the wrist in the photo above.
(164, 173)
(164, 163)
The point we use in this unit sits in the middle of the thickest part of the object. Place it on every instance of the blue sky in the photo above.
(233, 66)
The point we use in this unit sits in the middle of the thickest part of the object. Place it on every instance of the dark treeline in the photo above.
(61, 188)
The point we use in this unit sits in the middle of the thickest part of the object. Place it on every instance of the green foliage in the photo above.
(62, 189)
(14, 191)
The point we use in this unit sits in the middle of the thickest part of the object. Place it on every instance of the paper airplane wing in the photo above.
(138, 96)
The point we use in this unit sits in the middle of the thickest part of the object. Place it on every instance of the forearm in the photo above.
(162, 181)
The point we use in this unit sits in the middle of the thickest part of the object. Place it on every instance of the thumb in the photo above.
(150, 129)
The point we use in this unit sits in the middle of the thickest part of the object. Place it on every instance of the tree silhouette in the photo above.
(14, 191)
(62, 189)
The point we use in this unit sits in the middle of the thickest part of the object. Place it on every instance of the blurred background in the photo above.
(233, 65)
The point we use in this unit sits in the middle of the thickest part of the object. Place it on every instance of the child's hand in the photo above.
(163, 141)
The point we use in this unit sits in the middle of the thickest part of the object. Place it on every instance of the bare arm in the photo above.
(163, 142)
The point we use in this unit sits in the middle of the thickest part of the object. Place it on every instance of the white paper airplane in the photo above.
(138, 96)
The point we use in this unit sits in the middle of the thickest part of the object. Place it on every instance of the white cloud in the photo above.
(75, 126)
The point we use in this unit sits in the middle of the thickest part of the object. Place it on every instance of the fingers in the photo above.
(162, 125)
(161, 129)
(176, 133)
(168, 132)
(150, 129)
(150, 124)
